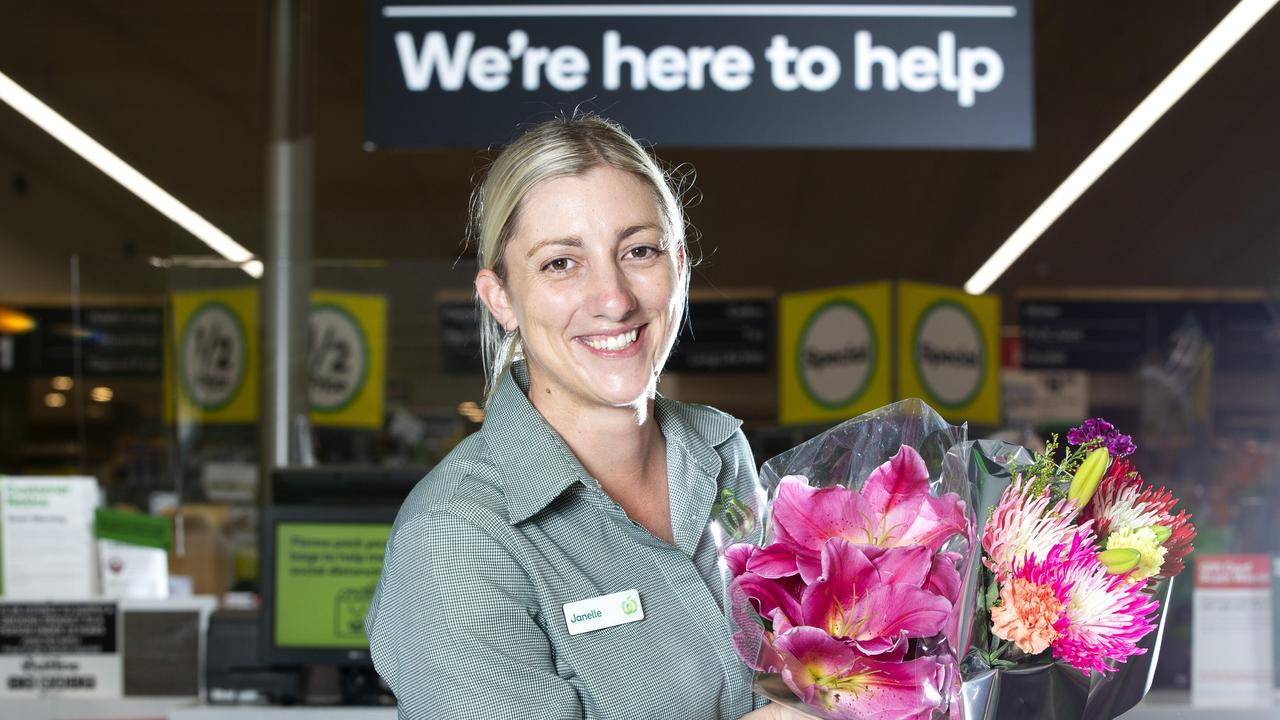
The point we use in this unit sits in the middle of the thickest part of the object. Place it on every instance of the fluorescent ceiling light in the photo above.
(135, 182)
(1216, 44)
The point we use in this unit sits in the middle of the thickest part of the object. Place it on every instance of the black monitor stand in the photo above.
(363, 686)
(352, 685)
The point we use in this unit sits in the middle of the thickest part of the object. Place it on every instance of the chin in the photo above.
(626, 391)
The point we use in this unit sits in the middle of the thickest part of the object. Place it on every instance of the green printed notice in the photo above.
(325, 575)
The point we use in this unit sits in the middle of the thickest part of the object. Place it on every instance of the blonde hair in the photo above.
(565, 146)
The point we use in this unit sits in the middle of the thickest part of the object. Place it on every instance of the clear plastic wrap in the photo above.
(966, 686)
(1049, 690)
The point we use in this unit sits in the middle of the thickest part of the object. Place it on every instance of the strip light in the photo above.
(135, 182)
(1216, 44)
(700, 10)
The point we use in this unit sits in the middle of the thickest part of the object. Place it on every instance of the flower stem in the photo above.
(998, 653)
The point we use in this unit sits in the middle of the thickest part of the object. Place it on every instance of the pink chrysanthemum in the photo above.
(1122, 503)
(1024, 525)
(1106, 615)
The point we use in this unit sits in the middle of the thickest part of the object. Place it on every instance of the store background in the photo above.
(1188, 215)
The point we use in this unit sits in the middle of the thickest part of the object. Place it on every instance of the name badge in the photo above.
(601, 612)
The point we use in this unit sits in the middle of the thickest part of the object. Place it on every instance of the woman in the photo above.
(558, 563)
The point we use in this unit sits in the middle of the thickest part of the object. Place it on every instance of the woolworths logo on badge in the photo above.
(212, 356)
(339, 358)
(630, 606)
(837, 354)
(949, 354)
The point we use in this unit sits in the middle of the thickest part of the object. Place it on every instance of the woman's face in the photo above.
(593, 287)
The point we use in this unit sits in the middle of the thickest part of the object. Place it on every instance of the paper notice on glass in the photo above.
(46, 537)
(133, 571)
(1231, 655)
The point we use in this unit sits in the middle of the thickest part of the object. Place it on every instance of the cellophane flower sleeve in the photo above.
(850, 594)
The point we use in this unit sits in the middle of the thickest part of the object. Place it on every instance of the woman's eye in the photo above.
(557, 265)
(643, 252)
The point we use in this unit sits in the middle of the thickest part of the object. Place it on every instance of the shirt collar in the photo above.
(537, 464)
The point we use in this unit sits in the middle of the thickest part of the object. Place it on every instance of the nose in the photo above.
(610, 295)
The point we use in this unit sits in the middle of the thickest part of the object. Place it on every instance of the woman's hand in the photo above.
(774, 711)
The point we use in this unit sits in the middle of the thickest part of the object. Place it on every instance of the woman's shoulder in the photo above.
(711, 425)
(465, 484)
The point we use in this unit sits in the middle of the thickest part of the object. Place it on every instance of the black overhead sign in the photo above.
(125, 341)
(890, 74)
(720, 336)
(1094, 335)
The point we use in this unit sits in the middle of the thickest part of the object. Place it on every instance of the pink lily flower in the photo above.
(834, 678)
(855, 600)
(893, 509)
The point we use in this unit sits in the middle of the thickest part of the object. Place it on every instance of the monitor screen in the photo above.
(320, 569)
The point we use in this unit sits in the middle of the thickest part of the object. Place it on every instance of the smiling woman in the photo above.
(575, 526)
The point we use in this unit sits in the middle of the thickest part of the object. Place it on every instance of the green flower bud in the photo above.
(1162, 533)
(1120, 560)
(1087, 477)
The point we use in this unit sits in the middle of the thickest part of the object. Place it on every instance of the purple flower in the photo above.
(1117, 443)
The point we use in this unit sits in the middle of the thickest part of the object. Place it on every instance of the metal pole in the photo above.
(288, 263)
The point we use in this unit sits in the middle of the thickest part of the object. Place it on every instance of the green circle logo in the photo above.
(836, 354)
(338, 360)
(211, 356)
(949, 353)
(629, 606)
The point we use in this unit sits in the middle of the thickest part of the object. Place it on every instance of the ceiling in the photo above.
(178, 90)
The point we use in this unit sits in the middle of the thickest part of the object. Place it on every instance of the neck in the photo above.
(621, 447)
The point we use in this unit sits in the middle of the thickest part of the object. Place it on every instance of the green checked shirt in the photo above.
(468, 618)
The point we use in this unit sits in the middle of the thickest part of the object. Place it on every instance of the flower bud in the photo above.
(1162, 532)
(1087, 477)
(1120, 560)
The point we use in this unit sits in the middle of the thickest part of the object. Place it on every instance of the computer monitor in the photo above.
(319, 566)
(344, 485)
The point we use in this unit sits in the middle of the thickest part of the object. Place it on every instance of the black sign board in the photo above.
(939, 74)
(30, 628)
(725, 336)
(114, 342)
(721, 336)
(1093, 335)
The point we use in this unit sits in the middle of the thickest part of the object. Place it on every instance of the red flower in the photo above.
(1123, 503)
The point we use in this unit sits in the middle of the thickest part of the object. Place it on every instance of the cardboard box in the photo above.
(200, 548)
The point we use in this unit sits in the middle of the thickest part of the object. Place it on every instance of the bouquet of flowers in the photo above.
(879, 593)
(852, 603)
(1077, 555)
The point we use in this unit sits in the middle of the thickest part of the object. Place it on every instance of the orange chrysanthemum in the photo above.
(1030, 617)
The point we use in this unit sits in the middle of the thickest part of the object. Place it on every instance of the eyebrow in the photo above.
(575, 241)
(632, 230)
(572, 241)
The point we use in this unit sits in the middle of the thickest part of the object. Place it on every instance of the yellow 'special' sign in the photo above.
(833, 353)
(949, 351)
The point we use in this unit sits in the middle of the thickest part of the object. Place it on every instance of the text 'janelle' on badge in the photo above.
(602, 612)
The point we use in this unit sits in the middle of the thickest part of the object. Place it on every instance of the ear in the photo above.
(493, 293)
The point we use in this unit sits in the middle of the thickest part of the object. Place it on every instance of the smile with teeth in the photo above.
(612, 342)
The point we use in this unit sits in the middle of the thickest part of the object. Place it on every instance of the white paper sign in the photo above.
(1045, 396)
(46, 532)
(132, 571)
(1231, 653)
